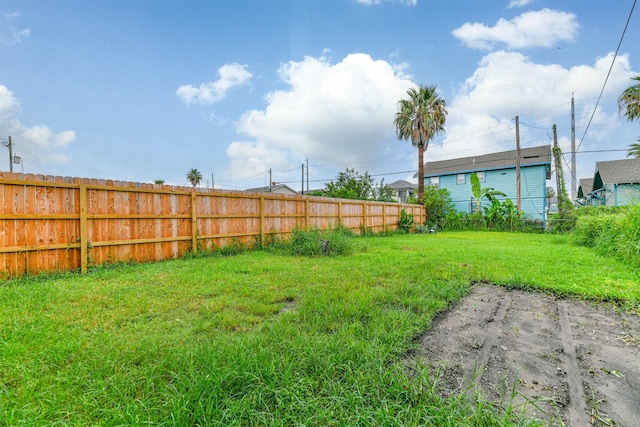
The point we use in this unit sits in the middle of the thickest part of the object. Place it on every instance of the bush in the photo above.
(610, 231)
(438, 205)
(629, 236)
(406, 222)
(320, 243)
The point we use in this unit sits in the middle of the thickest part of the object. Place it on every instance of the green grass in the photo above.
(269, 339)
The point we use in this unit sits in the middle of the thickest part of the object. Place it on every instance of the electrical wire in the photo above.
(606, 78)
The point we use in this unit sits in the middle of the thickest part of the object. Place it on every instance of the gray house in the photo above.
(585, 187)
(275, 188)
(403, 190)
(615, 183)
(498, 171)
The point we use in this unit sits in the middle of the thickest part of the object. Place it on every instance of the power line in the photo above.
(607, 78)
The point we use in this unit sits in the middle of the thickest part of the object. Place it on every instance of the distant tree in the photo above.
(350, 184)
(629, 105)
(629, 101)
(194, 177)
(158, 181)
(420, 118)
(383, 193)
(634, 150)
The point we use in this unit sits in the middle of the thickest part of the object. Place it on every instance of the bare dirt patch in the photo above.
(564, 361)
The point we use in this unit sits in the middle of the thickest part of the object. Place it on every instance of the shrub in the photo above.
(629, 236)
(610, 231)
(320, 243)
(438, 205)
(406, 222)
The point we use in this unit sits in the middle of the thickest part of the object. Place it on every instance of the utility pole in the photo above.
(574, 187)
(213, 183)
(556, 158)
(303, 178)
(307, 159)
(9, 145)
(270, 180)
(518, 195)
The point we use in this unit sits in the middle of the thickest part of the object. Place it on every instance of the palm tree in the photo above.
(634, 150)
(194, 177)
(629, 101)
(420, 118)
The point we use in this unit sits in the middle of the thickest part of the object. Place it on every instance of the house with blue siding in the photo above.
(614, 183)
(497, 171)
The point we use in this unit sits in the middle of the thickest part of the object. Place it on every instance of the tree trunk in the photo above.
(420, 173)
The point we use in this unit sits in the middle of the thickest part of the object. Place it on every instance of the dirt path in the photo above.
(572, 363)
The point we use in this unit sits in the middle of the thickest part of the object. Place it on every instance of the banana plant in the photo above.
(479, 193)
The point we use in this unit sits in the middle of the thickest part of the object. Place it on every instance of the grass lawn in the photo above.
(267, 339)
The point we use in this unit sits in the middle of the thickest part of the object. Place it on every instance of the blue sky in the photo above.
(145, 90)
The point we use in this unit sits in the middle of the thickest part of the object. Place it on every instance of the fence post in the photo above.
(365, 207)
(340, 213)
(84, 243)
(194, 222)
(384, 218)
(306, 214)
(262, 220)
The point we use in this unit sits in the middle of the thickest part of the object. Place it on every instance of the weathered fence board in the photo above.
(60, 223)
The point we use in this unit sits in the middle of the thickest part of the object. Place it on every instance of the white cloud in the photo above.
(10, 35)
(229, 76)
(13, 36)
(519, 3)
(543, 28)
(506, 84)
(333, 113)
(65, 138)
(38, 145)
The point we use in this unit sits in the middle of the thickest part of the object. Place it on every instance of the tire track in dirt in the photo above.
(562, 361)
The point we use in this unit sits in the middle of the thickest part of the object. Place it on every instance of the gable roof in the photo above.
(401, 184)
(625, 171)
(586, 187)
(503, 160)
(278, 188)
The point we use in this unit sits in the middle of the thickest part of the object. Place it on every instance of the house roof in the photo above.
(585, 187)
(625, 171)
(503, 160)
(401, 184)
(278, 188)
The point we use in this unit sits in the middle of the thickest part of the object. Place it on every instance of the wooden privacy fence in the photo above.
(59, 223)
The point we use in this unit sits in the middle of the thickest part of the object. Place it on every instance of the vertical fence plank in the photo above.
(83, 229)
(261, 212)
(194, 222)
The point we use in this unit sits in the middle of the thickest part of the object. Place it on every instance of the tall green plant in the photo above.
(564, 202)
(406, 222)
(480, 193)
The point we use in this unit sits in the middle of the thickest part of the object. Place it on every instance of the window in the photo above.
(434, 181)
(480, 176)
(461, 178)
